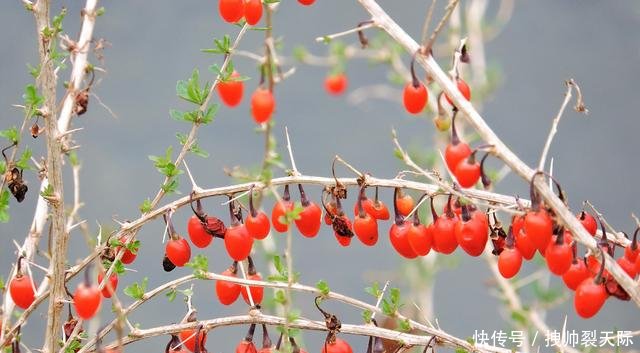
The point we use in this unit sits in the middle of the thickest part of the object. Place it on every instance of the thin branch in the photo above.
(554, 126)
(427, 20)
(444, 337)
(293, 161)
(329, 37)
(445, 18)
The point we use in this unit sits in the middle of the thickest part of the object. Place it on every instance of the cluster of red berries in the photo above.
(263, 103)
(233, 11)
(415, 95)
(536, 231)
(228, 292)
(86, 298)
(462, 162)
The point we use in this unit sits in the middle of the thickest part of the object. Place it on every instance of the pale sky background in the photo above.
(154, 44)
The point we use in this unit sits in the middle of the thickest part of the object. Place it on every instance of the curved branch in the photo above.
(500, 150)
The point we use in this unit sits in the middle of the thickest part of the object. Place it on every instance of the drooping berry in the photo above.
(231, 10)
(232, 90)
(262, 105)
(228, 292)
(336, 84)
(280, 209)
(310, 219)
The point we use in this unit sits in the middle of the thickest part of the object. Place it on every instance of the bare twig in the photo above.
(554, 126)
(329, 37)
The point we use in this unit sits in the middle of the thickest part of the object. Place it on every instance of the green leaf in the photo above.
(404, 325)
(394, 294)
(3, 167)
(280, 297)
(293, 315)
(47, 192)
(323, 287)
(164, 164)
(221, 46)
(374, 290)
(300, 53)
(292, 215)
(34, 71)
(277, 263)
(73, 158)
(195, 149)
(136, 291)
(4, 206)
(11, 134)
(170, 186)
(367, 315)
(145, 206)
(23, 161)
(190, 90)
(209, 114)
(200, 265)
(171, 294)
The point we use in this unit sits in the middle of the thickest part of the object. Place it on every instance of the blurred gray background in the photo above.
(154, 44)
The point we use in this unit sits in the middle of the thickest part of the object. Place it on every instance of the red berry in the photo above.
(589, 298)
(471, 234)
(258, 226)
(338, 346)
(336, 84)
(628, 266)
(456, 153)
(246, 347)
(109, 287)
(399, 237)
(257, 292)
(463, 88)
(509, 262)
(415, 98)
(228, 292)
(86, 300)
(262, 105)
(576, 274)
(524, 244)
(21, 290)
(558, 256)
(238, 242)
(188, 339)
(632, 251)
(197, 232)
(588, 222)
(279, 210)
(538, 225)
(444, 238)
(342, 229)
(128, 256)
(231, 91)
(366, 229)
(405, 203)
(252, 11)
(377, 209)
(420, 237)
(331, 210)
(467, 172)
(178, 251)
(231, 10)
(306, 2)
(309, 220)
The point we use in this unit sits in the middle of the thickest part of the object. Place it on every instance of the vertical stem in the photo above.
(47, 84)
